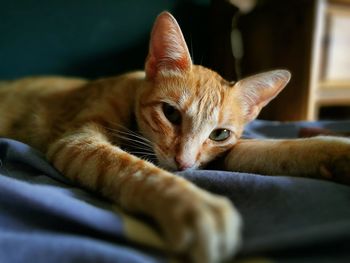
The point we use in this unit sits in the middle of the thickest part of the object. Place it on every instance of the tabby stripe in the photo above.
(68, 166)
(159, 123)
(88, 169)
(124, 160)
(58, 155)
(60, 145)
(202, 104)
(149, 104)
(79, 147)
(57, 148)
(75, 151)
(187, 104)
(144, 118)
(144, 188)
(121, 175)
(174, 95)
(104, 164)
(123, 178)
(90, 154)
(139, 167)
(198, 87)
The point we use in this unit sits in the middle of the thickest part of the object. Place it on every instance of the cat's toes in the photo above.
(207, 229)
(217, 233)
(228, 226)
(336, 166)
(340, 169)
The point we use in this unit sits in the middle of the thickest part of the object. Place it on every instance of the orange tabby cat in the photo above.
(187, 114)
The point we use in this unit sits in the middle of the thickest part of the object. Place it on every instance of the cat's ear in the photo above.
(258, 90)
(168, 53)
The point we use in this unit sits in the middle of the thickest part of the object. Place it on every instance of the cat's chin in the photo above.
(193, 168)
(170, 168)
(166, 163)
(176, 169)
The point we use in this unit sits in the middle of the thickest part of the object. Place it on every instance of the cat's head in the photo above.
(189, 112)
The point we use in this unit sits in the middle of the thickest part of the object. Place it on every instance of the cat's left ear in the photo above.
(257, 91)
(168, 53)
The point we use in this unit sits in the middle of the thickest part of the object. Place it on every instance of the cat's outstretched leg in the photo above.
(204, 227)
(324, 157)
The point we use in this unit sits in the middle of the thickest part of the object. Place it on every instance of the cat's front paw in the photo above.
(204, 227)
(337, 164)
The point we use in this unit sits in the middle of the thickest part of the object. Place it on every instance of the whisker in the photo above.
(136, 142)
(127, 136)
(128, 131)
(148, 158)
(139, 144)
(149, 151)
(140, 152)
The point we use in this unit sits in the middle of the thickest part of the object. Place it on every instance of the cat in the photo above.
(100, 133)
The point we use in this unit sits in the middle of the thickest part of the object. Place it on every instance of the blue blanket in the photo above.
(45, 219)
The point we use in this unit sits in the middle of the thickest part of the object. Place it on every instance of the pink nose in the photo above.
(181, 164)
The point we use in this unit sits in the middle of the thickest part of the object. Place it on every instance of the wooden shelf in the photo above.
(331, 86)
(334, 84)
(333, 96)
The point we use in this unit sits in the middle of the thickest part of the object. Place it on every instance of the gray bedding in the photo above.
(43, 218)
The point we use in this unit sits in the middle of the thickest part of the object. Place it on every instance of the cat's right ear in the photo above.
(168, 53)
(257, 91)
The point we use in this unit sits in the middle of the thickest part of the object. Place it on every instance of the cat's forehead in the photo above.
(203, 97)
(204, 90)
(204, 77)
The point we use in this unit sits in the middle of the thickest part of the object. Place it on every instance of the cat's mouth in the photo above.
(176, 169)
(171, 165)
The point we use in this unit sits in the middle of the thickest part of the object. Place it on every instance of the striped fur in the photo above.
(103, 135)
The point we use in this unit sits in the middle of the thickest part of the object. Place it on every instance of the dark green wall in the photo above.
(89, 38)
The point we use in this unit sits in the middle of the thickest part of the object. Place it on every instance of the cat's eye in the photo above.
(171, 113)
(219, 135)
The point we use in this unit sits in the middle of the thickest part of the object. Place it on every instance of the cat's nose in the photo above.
(182, 164)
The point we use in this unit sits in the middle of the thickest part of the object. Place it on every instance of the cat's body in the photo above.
(188, 115)
(46, 107)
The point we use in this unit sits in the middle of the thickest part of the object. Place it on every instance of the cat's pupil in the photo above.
(172, 114)
(219, 135)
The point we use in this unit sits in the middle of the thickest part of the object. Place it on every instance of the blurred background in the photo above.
(237, 38)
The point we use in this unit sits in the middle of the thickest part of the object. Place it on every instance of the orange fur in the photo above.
(86, 130)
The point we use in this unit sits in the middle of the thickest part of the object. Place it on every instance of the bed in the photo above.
(43, 218)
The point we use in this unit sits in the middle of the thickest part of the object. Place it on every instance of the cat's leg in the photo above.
(194, 222)
(322, 157)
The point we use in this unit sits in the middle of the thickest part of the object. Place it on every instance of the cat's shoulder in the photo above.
(44, 84)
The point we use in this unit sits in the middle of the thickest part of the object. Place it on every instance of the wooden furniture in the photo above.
(331, 68)
(311, 38)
